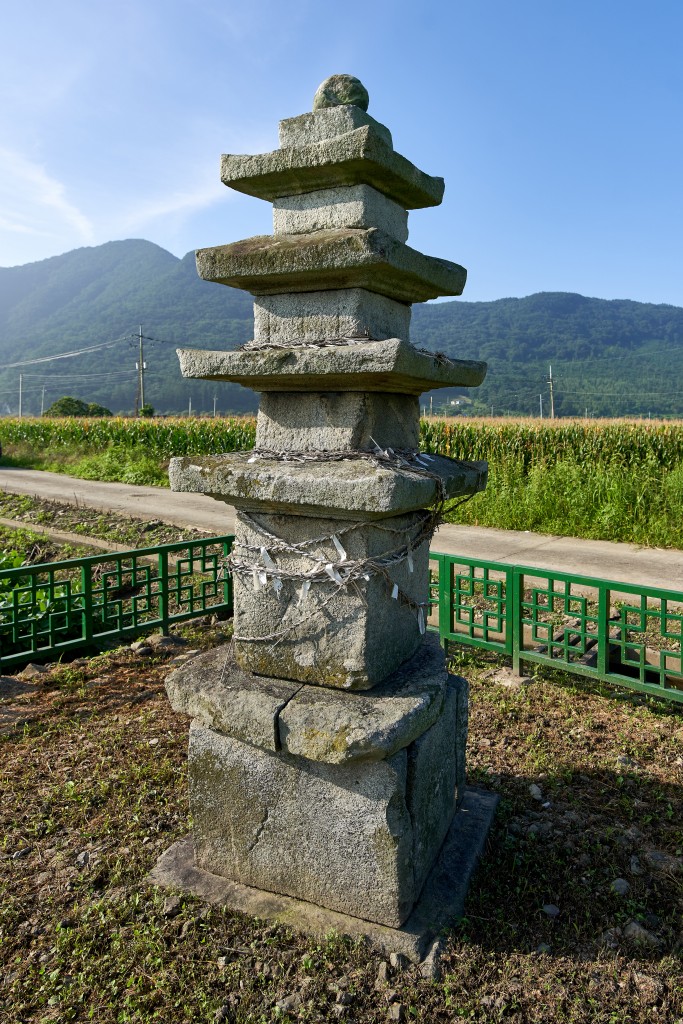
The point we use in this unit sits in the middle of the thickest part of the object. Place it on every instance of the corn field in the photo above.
(160, 438)
(527, 443)
(523, 443)
(614, 480)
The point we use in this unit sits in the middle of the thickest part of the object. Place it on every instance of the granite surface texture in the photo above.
(294, 317)
(358, 206)
(336, 835)
(340, 258)
(336, 421)
(390, 366)
(355, 489)
(358, 157)
(347, 637)
(327, 123)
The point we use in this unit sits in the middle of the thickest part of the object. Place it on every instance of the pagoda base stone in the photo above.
(420, 938)
(336, 835)
(337, 420)
(349, 637)
(296, 317)
(340, 800)
(316, 722)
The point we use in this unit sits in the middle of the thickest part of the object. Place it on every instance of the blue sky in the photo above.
(556, 124)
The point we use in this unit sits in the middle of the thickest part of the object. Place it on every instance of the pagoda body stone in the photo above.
(327, 751)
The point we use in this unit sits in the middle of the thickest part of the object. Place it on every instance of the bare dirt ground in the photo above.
(574, 915)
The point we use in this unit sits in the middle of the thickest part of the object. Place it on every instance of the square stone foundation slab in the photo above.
(439, 907)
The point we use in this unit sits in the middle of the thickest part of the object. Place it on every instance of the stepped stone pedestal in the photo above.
(327, 748)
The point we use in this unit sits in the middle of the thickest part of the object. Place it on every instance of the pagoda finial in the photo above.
(341, 91)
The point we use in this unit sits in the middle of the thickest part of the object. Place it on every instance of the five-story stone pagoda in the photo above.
(326, 755)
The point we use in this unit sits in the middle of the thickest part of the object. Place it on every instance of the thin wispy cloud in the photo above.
(177, 202)
(34, 202)
(16, 227)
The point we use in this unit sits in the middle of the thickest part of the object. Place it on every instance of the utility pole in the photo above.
(215, 399)
(189, 408)
(21, 386)
(141, 365)
(42, 401)
(540, 399)
(552, 397)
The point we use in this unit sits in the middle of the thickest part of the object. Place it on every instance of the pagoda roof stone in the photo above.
(351, 489)
(358, 157)
(393, 366)
(340, 258)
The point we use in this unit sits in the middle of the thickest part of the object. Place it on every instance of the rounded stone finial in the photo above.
(340, 91)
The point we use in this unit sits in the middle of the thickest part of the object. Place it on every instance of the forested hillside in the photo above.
(99, 294)
(608, 357)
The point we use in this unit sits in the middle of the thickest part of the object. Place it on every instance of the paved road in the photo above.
(624, 562)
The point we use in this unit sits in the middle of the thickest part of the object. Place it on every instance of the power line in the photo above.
(62, 355)
(78, 376)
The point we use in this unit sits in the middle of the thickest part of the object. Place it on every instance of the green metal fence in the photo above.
(620, 633)
(60, 606)
(617, 632)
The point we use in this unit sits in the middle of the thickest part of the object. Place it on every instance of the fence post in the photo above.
(604, 597)
(517, 628)
(86, 615)
(445, 570)
(163, 589)
(227, 576)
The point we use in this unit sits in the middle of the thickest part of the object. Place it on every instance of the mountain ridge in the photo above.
(616, 356)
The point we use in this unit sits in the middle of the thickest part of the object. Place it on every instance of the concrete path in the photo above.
(623, 562)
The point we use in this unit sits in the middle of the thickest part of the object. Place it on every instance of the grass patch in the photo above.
(93, 789)
(118, 463)
(35, 548)
(91, 522)
(636, 504)
(114, 462)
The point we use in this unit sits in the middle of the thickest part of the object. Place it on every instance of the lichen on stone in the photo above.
(340, 91)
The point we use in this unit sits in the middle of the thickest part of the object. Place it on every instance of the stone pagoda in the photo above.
(326, 758)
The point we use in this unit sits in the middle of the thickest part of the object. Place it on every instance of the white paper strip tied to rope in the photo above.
(342, 574)
(346, 572)
(338, 545)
